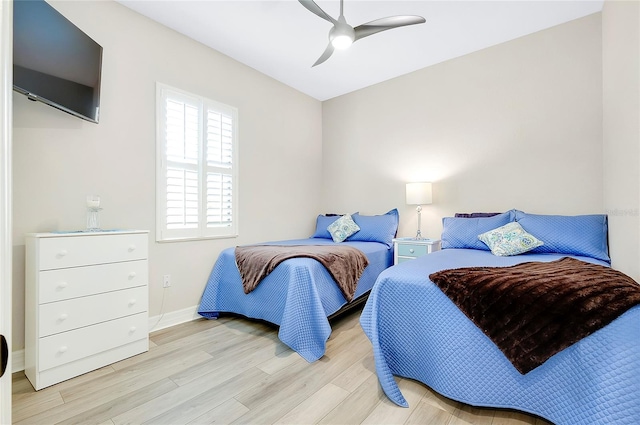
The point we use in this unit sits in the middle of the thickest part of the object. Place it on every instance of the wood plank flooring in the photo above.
(236, 371)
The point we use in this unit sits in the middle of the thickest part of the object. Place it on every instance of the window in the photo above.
(197, 141)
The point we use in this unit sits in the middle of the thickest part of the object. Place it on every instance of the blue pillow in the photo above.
(584, 235)
(458, 232)
(376, 228)
(322, 222)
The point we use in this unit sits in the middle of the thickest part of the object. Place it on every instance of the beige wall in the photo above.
(59, 159)
(621, 131)
(517, 125)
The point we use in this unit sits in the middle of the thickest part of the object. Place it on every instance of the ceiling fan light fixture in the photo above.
(342, 42)
(341, 36)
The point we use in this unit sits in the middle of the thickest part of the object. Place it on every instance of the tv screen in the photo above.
(54, 62)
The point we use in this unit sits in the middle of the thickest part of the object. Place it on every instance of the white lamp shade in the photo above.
(419, 193)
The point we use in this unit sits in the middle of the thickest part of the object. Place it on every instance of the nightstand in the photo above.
(411, 248)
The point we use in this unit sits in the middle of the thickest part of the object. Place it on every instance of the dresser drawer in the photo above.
(59, 349)
(75, 313)
(403, 259)
(62, 284)
(73, 251)
(409, 250)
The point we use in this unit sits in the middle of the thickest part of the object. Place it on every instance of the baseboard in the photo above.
(156, 323)
(166, 320)
(17, 361)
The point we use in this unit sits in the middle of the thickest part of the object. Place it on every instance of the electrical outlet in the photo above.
(166, 281)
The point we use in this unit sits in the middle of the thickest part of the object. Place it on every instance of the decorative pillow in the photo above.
(460, 232)
(584, 235)
(510, 239)
(376, 228)
(342, 228)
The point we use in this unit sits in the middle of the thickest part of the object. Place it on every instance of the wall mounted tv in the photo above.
(54, 62)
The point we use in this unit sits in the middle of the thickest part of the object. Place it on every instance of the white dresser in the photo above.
(86, 302)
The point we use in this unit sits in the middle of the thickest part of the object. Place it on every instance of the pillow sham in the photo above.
(510, 239)
(584, 235)
(377, 228)
(342, 228)
(458, 232)
(322, 222)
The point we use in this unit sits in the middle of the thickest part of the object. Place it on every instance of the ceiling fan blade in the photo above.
(327, 53)
(312, 7)
(383, 24)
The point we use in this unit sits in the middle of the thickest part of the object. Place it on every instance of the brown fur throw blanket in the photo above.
(532, 311)
(344, 263)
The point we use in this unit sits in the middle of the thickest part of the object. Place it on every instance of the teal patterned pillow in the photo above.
(510, 239)
(342, 228)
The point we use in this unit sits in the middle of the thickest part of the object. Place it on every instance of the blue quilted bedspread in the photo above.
(418, 333)
(298, 295)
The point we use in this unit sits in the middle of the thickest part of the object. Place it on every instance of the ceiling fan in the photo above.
(342, 35)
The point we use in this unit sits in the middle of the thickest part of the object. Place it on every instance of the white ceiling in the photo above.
(282, 39)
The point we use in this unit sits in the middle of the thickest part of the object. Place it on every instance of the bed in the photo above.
(300, 295)
(418, 332)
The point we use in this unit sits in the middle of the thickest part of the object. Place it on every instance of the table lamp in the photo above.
(419, 194)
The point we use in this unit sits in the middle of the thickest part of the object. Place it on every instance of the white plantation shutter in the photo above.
(219, 200)
(181, 155)
(197, 143)
(219, 211)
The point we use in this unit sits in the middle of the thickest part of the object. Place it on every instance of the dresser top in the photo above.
(72, 233)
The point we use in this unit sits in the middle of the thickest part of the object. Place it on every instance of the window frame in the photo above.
(163, 233)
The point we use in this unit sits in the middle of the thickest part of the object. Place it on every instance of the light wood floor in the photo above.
(234, 370)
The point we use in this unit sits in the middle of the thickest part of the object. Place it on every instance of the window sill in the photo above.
(194, 239)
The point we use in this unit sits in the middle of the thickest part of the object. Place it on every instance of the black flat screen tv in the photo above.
(54, 62)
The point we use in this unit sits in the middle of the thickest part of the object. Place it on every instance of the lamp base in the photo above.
(418, 233)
